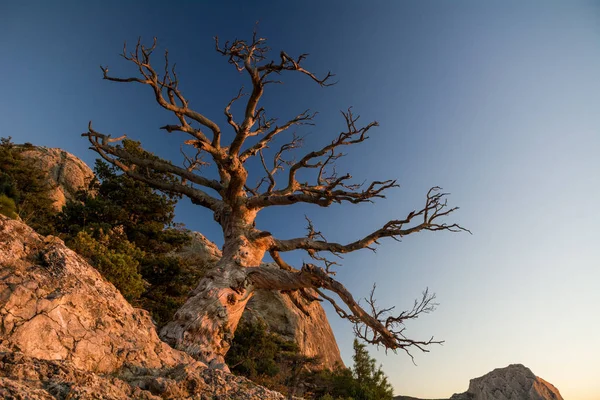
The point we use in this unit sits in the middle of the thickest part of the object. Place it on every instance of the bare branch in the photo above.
(130, 164)
(287, 63)
(169, 83)
(436, 207)
(328, 188)
(250, 57)
(313, 235)
(228, 114)
(302, 119)
(376, 326)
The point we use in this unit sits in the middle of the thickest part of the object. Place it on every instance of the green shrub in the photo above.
(145, 219)
(115, 257)
(8, 207)
(27, 185)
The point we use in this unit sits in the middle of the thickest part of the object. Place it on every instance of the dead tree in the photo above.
(205, 324)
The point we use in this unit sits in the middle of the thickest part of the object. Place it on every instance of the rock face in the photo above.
(55, 306)
(311, 332)
(66, 173)
(23, 377)
(65, 333)
(515, 382)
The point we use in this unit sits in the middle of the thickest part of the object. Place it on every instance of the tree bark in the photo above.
(204, 326)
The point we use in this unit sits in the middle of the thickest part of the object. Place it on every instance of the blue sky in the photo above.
(497, 102)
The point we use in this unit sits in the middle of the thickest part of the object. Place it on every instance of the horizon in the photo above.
(497, 103)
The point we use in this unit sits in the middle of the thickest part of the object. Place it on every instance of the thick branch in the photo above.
(374, 326)
(100, 144)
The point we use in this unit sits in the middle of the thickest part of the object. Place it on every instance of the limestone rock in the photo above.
(66, 173)
(66, 333)
(515, 382)
(311, 332)
(23, 377)
(55, 306)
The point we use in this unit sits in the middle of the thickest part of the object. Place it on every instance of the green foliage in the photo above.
(116, 200)
(371, 382)
(144, 217)
(363, 382)
(266, 358)
(115, 257)
(255, 351)
(8, 207)
(277, 364)
(27, 186)
(170, 280)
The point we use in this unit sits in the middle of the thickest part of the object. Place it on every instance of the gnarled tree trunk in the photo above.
(204, 326)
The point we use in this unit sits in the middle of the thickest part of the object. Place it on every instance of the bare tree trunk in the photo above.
(204, 326)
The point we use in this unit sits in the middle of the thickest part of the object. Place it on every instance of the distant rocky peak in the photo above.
(515, 382)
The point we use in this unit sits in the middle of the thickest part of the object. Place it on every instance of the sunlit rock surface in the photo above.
(515, 382)
(66, 173)
(55, 306)
(23, 377)
(66, 333)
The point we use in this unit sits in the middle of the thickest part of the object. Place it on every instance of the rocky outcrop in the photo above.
(55, 306)
(66, 173)
(311, 330)
(66, 333)
(23, 377)
(515, 382)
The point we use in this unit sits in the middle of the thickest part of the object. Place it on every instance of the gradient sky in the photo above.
(497, 101)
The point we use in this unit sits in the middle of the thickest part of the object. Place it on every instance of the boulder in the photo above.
(66, 173)
(55, 306)
(515, 382)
